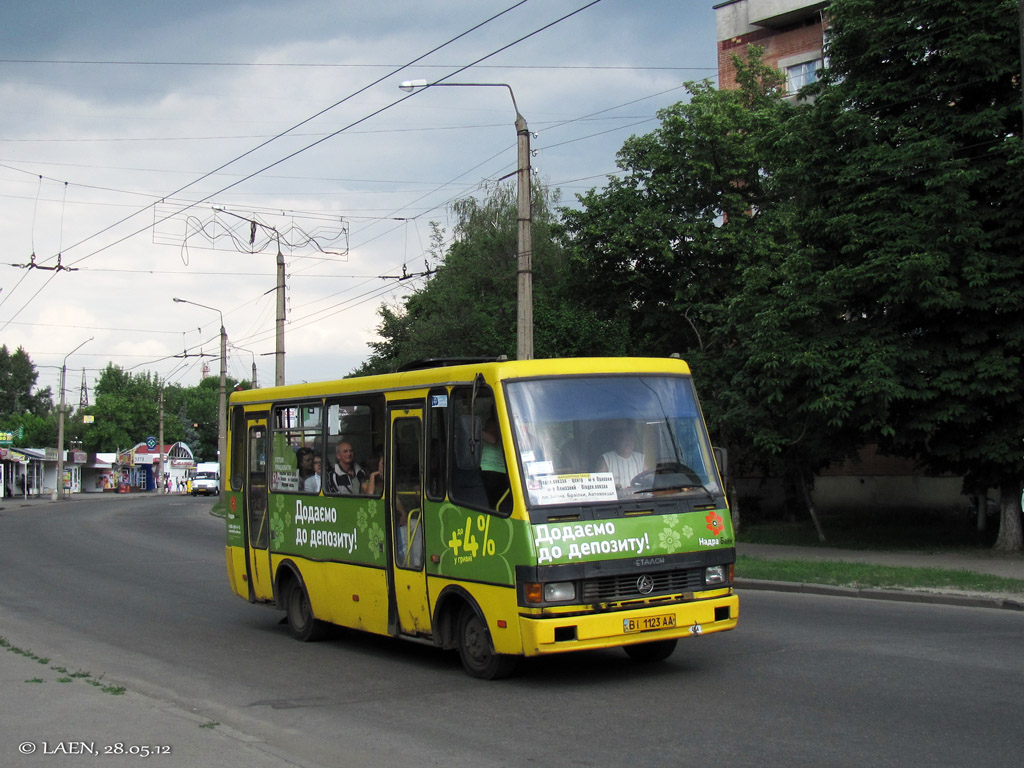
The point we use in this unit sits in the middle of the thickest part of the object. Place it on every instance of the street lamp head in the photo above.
(524, 320)
(176, 300)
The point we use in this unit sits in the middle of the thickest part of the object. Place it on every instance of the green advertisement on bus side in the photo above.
(469, 544)
(351, 530)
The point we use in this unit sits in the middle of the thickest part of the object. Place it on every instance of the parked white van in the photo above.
(207, 479)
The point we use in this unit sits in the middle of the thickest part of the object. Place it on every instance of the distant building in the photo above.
(791, 32)
(140, 466)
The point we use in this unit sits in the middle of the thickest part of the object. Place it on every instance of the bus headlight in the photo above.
(559, 592)
(553, 592)
(714, 575)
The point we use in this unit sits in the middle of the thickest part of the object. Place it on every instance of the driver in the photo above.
(624, 462)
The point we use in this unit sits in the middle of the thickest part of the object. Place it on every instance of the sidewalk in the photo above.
(19, 502)
(1006, 566)
(52, 715)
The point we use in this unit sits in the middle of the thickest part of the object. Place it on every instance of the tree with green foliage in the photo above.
(684, 250)
(907, 169)
(847, 270)
(127, 411)
(468, 307)
(190, 415)
(35, 430)
(21, 408)
(17, 380)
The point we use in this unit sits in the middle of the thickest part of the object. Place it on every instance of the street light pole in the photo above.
(255, 384)
(524, 268)
(279, 322)
(222, 406)
(60, 422)
(524, 313)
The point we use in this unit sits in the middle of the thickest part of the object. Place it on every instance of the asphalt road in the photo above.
(135, 589)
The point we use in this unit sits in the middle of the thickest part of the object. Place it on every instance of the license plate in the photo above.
(649, 623)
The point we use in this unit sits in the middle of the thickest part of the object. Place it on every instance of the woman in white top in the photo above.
(624, 463)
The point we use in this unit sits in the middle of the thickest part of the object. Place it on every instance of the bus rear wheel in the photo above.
(301, 622)
(659, 650)
(477, 652)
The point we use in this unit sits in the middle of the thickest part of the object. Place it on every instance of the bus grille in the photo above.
(611, 588)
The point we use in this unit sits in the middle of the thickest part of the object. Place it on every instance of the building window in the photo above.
(799, 75)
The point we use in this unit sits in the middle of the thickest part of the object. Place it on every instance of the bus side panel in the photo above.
(235, 557)
(343, 528)
(347, 595)
(476, 546)
(498, 605)
(235, 548)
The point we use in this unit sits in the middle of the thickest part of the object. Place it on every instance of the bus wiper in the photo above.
(686, 487)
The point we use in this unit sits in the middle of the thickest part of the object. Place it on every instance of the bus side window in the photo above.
(479, 472)
(236, 469)
(358, 422)
(437, 444)
(297, 440)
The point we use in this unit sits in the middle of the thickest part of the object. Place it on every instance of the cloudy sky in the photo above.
(137, 138)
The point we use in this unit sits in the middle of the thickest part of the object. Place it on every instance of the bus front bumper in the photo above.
(615, 628)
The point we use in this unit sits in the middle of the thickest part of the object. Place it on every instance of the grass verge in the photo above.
(864, 575)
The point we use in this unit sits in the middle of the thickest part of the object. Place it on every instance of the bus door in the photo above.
(257, 517)
(405, 506)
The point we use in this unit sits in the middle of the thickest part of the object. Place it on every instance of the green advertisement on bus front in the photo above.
(646, 536)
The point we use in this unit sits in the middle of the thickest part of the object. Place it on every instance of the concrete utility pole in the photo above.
(279, 323)
(222, 407)
(524, 314)
(58, 492)
(524, 262)
(279, 287)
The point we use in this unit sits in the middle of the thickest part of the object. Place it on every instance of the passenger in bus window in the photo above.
(624, 462)
(374, 482)
(309, 480)
(346, 476)
(492, 463)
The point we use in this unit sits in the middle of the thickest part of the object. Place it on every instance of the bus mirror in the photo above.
(473, 437)
(722, 460)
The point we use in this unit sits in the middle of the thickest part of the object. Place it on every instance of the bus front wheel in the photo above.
(301, 622)
(659, 650)
(477, 652)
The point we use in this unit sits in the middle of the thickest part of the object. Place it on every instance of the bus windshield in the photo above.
(610, 438)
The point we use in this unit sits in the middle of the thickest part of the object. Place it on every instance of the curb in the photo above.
(932, 598)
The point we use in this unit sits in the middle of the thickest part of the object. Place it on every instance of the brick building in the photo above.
(792, 33)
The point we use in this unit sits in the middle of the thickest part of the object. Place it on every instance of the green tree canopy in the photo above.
(686, 250)
(845, 270)
(17, 380)
(468, 307)
(127, 411)
(908, 170)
